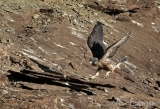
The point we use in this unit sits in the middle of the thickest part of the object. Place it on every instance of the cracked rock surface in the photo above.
(44, 58)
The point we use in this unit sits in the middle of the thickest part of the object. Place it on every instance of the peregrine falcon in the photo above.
(102, 53)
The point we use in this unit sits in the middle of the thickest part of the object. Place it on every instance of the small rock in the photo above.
(4, 82)
(149, 50)
(106, 23)
(46, 0)
(4, 92)
(106, 90)
(3, 40)
(80, 5)
(35, 16)
(123, 16)
(48, 20)
(111, 21)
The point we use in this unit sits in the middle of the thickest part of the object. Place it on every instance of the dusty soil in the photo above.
(44, 58)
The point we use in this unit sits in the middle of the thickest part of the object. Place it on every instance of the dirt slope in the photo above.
(45, 59)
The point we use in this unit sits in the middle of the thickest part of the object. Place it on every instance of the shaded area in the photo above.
(54, 78)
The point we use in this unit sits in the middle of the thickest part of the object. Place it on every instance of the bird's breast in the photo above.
(104, 64)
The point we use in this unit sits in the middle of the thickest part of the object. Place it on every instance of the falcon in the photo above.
(102, 53)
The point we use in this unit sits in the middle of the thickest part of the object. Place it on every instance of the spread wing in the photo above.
(95, 41)
(109, 53)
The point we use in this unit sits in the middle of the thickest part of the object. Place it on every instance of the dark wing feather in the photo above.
(95, 41)
(113, 48)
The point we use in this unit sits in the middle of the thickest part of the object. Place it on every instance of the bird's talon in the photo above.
(107, 74)
(92, 77)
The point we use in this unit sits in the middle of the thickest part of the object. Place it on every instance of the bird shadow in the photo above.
(56, 79)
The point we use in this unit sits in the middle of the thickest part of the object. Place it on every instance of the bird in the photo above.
(102, 53)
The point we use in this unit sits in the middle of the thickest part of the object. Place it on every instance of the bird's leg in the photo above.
(107, 73)
(116, 64)
(97, 74)
(113, 68)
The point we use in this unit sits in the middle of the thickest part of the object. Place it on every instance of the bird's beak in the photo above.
(92, 60)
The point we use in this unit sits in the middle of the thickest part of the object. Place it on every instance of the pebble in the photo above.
(35, 16)
(4, 82)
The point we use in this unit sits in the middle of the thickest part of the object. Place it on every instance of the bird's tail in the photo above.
(122, 59)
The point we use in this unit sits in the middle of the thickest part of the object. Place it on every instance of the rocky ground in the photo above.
(44, 58)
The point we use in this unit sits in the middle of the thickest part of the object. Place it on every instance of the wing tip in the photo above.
(128, 33)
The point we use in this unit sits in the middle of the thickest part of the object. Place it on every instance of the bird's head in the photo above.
(93, 60)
